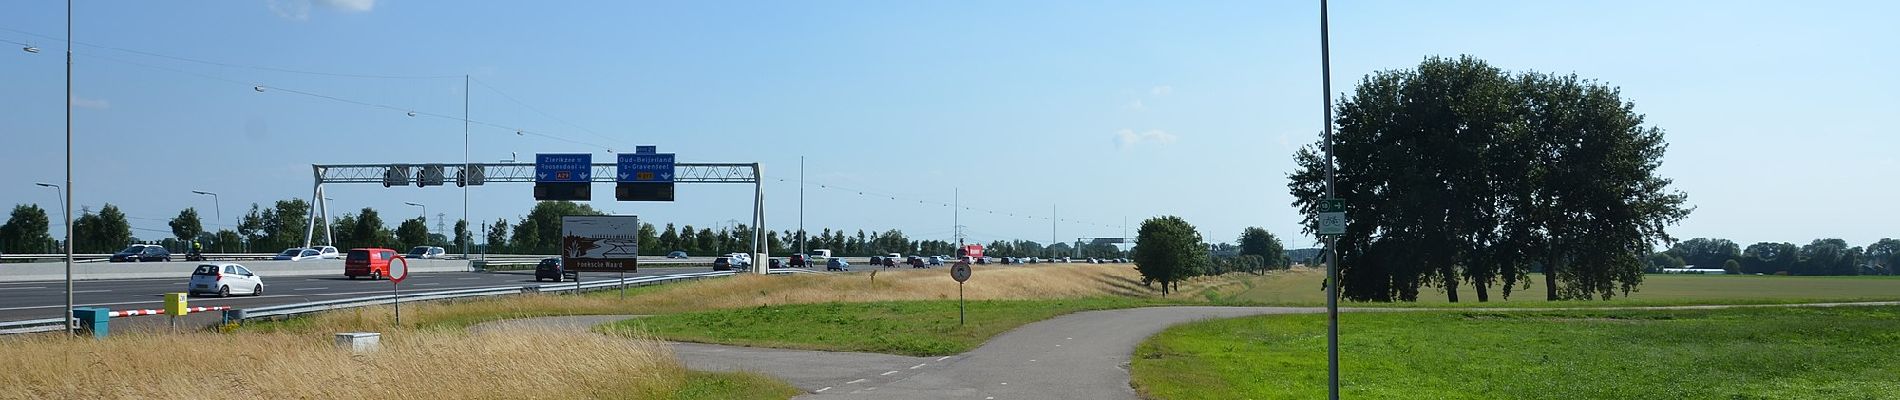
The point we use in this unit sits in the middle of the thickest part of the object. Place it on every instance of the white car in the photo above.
(224, 280)
(328, 252)
(741, 259)
(426, 252)
(298, 254)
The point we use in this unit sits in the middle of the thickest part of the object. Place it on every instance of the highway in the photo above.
(46, 299)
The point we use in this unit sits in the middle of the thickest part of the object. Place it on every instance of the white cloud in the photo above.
(1128, 138)
(90, 103)
(1135, 105)
(1162, 90)
(300, 9)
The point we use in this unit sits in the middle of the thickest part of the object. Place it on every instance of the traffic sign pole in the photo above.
(1332, 262)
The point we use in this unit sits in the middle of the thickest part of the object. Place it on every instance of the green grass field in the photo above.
(1302, 287)
(916, 328)
(1754, 353)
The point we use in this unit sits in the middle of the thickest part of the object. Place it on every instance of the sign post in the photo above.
(1332, 217)
(960, 272)
(398, 270)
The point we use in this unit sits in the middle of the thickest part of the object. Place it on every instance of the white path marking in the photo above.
(854, 382)
(821, 390)
(311, 288)
(887, 373)
(92, 291)
(28, 287)
(943, 358)
(918, 366)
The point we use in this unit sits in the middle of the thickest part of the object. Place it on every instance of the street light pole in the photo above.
(217, 208)
(801, 204)
(425, 214)
(68, 209)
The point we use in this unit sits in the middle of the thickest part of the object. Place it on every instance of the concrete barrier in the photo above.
(18, 272)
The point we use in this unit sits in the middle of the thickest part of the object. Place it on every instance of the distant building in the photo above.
(1694, 271)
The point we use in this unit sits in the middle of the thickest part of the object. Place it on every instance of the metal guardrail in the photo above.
(32, 326)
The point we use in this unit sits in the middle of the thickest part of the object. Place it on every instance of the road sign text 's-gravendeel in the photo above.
(1332, 217)
(600, 243)
(646, 175)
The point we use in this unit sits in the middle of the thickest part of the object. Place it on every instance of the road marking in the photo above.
(92, 291)
(854, 382)
(311, 288)
(427, 284)
(917, 366)
(1005, 383)
(1068, 338)
(821, 390)
(29, 287)
(887, 373)
(464, 279)
(943, 358)
(1032, 360)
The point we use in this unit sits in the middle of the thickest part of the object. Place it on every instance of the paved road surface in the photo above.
(44, 299)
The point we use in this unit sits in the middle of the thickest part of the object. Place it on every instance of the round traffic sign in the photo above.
(398, 269)
(960, 271)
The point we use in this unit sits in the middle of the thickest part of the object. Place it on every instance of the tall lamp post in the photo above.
(218, 209)
(61, 195)
(71, 325)
(425, 214)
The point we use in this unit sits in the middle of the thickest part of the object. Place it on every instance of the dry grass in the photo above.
(744, 291)
(411, 365)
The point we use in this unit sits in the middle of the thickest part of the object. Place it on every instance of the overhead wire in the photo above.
(233, 65)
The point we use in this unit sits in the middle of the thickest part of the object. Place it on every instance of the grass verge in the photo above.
(915, 328)
(1761, 353)
(423, 364)
(1301, 287)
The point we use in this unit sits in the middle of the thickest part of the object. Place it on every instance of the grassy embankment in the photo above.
(1750, 353)
(435, 364)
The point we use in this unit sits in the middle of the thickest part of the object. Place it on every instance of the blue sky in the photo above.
(1775, 111)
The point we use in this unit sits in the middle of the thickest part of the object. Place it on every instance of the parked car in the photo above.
(224, 280)
(327, 252)
(298, 254)
(837, 264)
(142, 252)
(370, 262)
(426, 252)
(798, 261)
(550, 268)
(676, 254)
(936, 260)
(722, 264)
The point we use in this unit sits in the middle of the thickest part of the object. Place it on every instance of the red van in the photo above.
(373, 263)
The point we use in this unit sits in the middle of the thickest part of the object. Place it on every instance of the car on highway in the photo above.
(1031, 260)
(936, 260)
(224, 280)
(142, 252)
(298, 254)
(877, 261)
(967, 260)
(550, 268)
(837, 264)
(722, 264)
(915, 262)
(740, 259)
(775, 263)
(370, 262)
(328, 252)
(424, 252)
(676, 254)
(798, 261)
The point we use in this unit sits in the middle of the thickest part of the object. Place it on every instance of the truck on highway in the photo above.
(820, 255)
(974, 251)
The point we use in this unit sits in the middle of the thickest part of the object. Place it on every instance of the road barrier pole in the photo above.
(959, 303)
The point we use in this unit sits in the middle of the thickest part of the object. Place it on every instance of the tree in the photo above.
(462, 235)
(228, 239)
(1731, 267)
(1883, 257)
(369, 230)
(1769, 258)
(1659, 261)
(669, 241)
(706, 240)
(26, 231)
(1705, 252)
(1457, 172)
(1827, 257)
(413, 232)
(527, 239)
(650, 241)
(186, 226)
(1256, 241)
(1170, 251)
(497, 236)
(689, 240)
(104, 232)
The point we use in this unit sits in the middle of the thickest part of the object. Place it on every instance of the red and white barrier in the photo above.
(188, 310)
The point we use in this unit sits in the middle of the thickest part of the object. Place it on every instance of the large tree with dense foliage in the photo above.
(26, 231)
(1458, 172)
(186, 226)
(1171, 250)
(1256, 241)
(1706, 252)
(104, 232)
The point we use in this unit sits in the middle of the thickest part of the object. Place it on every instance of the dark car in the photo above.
(142, 252)
(915, 262)
(877, 261)
(722, 264)
(676, 254)
(775, 263)
(550, 268)
(982, 260)
(798, 261)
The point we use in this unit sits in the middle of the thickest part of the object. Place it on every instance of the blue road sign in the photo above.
(646, 149)
(563, 167)
(656, 167)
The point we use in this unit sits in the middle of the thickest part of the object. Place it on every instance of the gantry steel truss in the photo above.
(441, 174)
